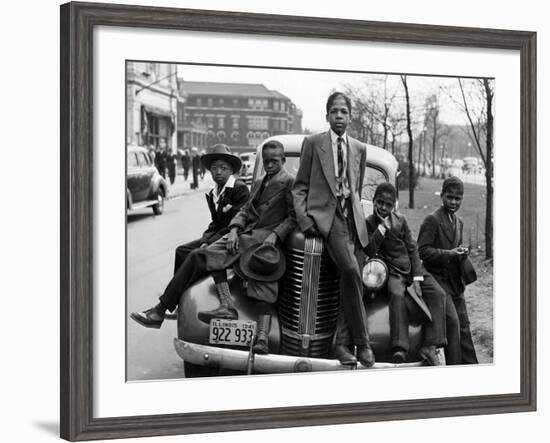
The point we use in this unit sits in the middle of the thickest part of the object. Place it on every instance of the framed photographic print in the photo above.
(203, 153)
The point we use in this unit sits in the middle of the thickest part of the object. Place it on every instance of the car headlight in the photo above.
(375, 274)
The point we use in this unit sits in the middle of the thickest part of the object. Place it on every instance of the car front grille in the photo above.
(308, 305)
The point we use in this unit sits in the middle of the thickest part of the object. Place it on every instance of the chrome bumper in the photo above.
(266, 364)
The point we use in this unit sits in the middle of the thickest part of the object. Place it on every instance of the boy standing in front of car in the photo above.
(327, 201)
(440, 248)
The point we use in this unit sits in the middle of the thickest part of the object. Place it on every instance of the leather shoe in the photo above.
(219, 312)
(429, 355)
(261, 346)
(342, 353)
(151, 318)
(365, 355)
(399, 356)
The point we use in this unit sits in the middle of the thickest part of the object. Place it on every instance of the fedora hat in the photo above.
(262, 262)
(221, 152)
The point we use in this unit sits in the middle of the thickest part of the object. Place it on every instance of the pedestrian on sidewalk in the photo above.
(195, 166)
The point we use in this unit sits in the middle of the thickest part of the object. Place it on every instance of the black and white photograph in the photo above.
(300, 220)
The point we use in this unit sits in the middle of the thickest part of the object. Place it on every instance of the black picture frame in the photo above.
(77, 23)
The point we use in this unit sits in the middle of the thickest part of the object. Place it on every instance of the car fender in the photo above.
(202, 297)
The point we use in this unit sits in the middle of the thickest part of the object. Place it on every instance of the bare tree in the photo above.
(480, 120)
(409, 133)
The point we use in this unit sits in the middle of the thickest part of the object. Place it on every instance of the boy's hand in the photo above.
(233, 241)
(459, 252)
(271, 239)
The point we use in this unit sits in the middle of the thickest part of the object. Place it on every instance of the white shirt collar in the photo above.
(230, 183)
(334, 137)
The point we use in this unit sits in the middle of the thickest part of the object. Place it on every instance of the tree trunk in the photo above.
(489, 173)
(434, 141)
(409, 133)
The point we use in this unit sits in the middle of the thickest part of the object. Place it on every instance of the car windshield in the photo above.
(373, 176)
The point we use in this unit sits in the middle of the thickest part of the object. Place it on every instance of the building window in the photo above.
(275, 105)
(220, 103)
(257, 122)
(210, 122)
(236, 102)
(265, 135)
(221, 136)
(283, 109)
(235, 137)
(199, 101)
(209, 102)
(221, 122)
(235, 122)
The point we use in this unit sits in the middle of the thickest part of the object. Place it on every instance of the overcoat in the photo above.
(268, 210)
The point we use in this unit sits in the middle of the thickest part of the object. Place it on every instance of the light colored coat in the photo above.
(314, 189)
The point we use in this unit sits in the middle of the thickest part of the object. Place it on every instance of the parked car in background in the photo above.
(145, 187)
(471, 165)
(248, 160)
(304, 318)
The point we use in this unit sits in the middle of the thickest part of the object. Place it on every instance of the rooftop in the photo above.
(256, 90)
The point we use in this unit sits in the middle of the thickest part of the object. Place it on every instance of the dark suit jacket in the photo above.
(397, 247)
(230, 202)
(435, 240)
(270, 211)
(315, 186)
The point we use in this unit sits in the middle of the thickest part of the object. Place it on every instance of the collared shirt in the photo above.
(214, 191)
(334, 143)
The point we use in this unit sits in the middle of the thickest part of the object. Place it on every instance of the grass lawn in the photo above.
(479, 295)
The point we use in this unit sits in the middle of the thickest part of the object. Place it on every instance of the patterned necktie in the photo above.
(340, 179)
(340, 162)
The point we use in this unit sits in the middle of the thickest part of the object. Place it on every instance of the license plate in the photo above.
(232, 332)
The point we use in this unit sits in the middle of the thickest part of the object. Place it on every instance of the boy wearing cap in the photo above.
(440, 248)
(390, 239)
(224, 200)
(267, 218)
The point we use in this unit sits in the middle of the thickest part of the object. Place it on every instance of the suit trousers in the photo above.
(458, 304)
(191, 271)
(182, 251)
(341, 245)
(442, 331)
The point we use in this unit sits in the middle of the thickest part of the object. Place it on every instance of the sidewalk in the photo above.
(181, 187)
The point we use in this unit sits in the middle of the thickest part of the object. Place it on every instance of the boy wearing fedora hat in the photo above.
(391, 240)
(440, 246)
(266, 219)
(224, 200)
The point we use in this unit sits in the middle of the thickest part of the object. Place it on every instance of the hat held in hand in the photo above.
(263, 262)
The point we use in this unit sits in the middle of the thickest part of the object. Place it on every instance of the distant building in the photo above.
(152, 104)
(240, 115)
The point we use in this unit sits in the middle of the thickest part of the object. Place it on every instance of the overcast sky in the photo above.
(310, 89)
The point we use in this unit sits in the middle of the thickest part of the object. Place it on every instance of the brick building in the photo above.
(152, 104)
(238, 114)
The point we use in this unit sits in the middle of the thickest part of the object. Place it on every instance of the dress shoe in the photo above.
(429, 355)
(365, 355)
(399, 356)
(151, 318)
(261, 346)
(219, 312)
(342, 353)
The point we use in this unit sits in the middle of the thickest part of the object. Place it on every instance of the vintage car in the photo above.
(145, 187)
(305, 315)
(247, 169)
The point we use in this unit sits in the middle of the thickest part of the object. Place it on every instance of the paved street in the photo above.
(151, 241)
